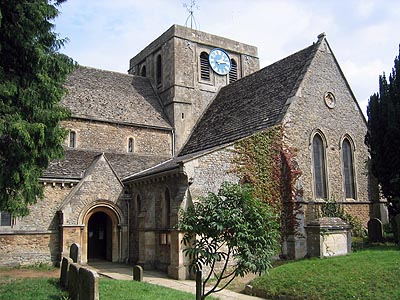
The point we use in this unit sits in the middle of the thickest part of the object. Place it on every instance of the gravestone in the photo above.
(73, 281)
(88, 284)
(375, 230)
(65, 263)
(75, 253)
(137, 273)
(396, 228)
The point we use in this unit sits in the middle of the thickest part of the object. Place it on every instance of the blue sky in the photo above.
(364, 35)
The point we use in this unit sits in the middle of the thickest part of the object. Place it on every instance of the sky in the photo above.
(364, 35)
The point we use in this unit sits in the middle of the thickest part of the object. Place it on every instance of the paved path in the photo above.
(124, 272)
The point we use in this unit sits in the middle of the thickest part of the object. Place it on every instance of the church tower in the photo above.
(187, 68)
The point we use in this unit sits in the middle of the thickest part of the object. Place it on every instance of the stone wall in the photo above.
(150, 240)
(308, 114)
(43, 215)
(361, 210)
(28, 248)
(208, 172)
(107, 137)
(35, 238)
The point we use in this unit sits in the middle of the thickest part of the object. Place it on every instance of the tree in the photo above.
(383, 136)
(32, 72)
(229, 234)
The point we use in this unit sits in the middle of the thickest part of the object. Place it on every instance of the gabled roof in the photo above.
(114, 97)
(250, 104)
(76, 162)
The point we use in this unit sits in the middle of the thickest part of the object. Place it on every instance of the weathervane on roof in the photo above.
(190, 8)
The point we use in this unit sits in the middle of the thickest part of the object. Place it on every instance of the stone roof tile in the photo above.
(250, 104)
(111, 96)
(75, 163)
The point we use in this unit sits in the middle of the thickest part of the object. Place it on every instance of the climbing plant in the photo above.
(266, 163)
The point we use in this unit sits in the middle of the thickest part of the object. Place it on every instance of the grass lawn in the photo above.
(369, 274)
(122, 289)
(30, 289)
(48, 289)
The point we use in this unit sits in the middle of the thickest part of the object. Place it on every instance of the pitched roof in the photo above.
(115, 97)
(250, 104)
(76, 162)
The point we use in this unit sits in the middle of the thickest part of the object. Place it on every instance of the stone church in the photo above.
(143, 145)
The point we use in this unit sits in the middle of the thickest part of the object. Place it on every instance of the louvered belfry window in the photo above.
(233, 73)
(319, 165)
(158, 70)
(204, 66)
(130, 145)
(348, 169)
(72, 139)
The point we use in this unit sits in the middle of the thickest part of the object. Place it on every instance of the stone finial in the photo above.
(321, 36)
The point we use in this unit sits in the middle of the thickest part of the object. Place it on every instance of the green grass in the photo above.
(48, 289)
(368, 274)
(30, 289)
(123, 290)
(36, 267)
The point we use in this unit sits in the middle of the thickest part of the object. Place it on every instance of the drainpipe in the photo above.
(120, 242)
(173, 143)
(127, 240)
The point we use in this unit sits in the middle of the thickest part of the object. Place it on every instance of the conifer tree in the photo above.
(383, 137)
(32, 72)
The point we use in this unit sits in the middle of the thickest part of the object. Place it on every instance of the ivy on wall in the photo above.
(266, 163)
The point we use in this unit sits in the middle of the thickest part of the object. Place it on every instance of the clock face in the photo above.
(219, 61)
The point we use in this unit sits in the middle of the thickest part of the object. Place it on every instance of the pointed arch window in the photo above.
(158, 70)
(233, 73)
(319, 167)
(348, 169)
(204, 67)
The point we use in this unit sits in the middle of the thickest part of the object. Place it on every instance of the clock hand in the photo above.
(221, 61)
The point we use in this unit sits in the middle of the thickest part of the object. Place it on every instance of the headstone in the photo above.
(65, 263)
(73, 281)
(396, 228)
(88, 284)
(375, 230)
(137, 273)
(75, 253)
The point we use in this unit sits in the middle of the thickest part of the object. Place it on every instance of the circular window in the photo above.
(330, 100)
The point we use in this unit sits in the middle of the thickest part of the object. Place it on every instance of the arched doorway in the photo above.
(101, 234)
(99, 237)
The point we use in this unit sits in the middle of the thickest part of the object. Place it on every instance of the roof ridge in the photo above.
(104, 70)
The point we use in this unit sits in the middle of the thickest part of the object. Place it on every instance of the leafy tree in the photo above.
(229, 234)
(32, 72)
(383, 137)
